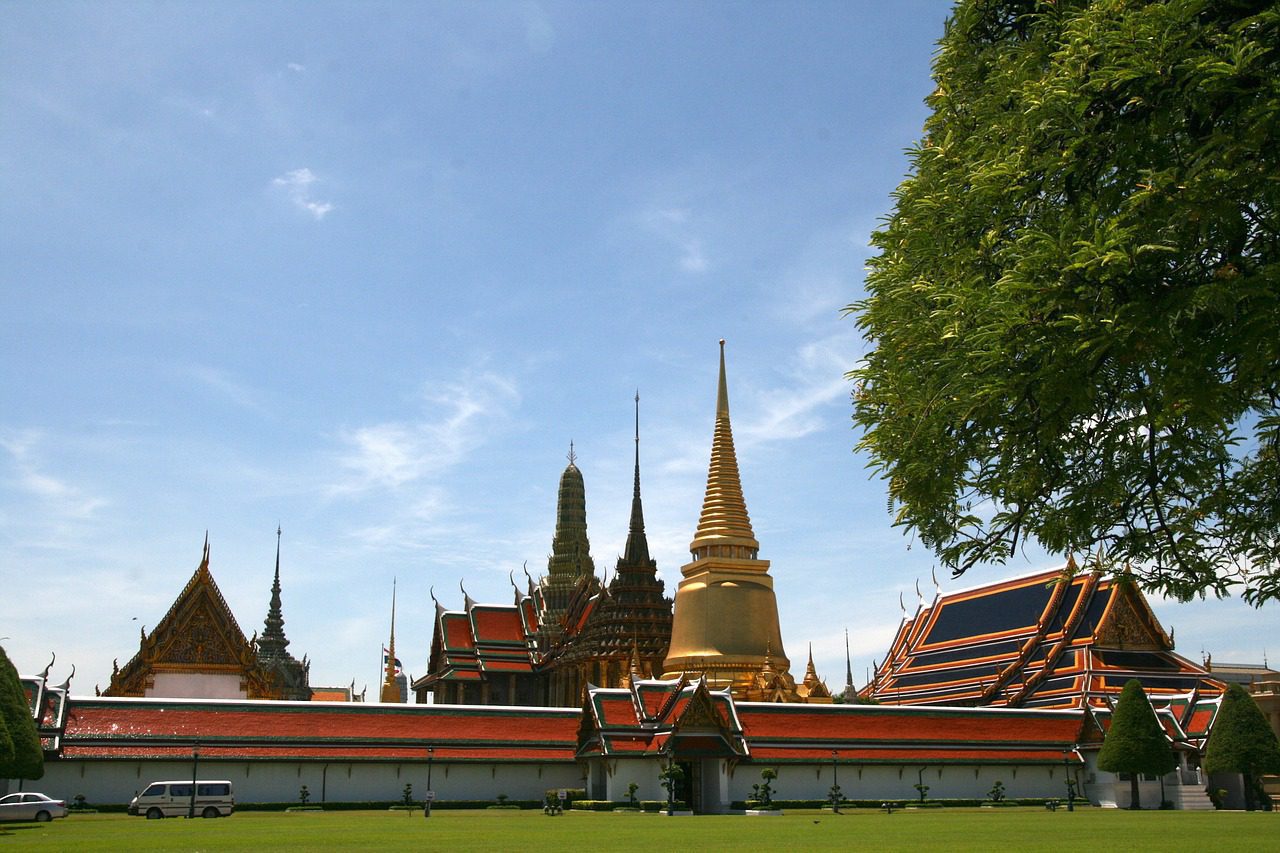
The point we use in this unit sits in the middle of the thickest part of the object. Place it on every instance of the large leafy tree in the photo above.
(1074, 311)
(1242, 742)
(1135, 742)
(27, 760)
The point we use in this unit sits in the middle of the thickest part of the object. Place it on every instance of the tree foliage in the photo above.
(27, 760)
(1242, 741)
(6, 747)
(1135, 742)
(1074, 311)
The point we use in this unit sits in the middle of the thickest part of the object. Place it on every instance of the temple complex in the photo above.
(565, 632)
(726, 616)
(570, 632)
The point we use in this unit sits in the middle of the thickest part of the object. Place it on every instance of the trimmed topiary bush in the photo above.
(1135, 742)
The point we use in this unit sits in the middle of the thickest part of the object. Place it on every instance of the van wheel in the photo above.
(154, 813)
(43, 817)
(210, 811)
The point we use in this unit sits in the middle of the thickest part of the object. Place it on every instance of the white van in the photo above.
(173, 799)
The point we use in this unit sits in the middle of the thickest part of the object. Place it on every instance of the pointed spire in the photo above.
(570, 549)
(637, 550)
(724, 518)
(848, 666)
(810, 671)
(390, 689)
(273, 639)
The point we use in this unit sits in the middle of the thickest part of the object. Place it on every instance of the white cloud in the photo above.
(58, 497)
(296, 67)
(393, 454)
(297, 186)
(796, 410)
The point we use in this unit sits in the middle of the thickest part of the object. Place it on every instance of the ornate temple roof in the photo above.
(198, 634)
(654, 717)
(479, 639)
(1051, 639)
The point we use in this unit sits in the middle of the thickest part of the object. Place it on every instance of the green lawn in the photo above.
(952, 829)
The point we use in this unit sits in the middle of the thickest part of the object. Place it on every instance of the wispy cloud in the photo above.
(296, 67)
(796, 409)
(539, 34)
(297, 185)
(674, 226)
(392, 454)
(227, 387)
(58, 496)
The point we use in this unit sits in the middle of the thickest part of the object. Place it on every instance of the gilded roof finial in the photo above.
(572, 457)
(722, 395)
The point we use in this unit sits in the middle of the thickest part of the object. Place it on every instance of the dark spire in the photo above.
(570, 550)
(637, 551)
(272, 641)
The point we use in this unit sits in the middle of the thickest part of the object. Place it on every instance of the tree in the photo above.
(1135, 742)
(1242, 742)
(1073, 315)
(27, 761)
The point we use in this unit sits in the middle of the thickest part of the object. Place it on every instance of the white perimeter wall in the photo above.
(338, 781)
(105, 782)
(897, 782)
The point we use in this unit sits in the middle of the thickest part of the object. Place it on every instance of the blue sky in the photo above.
(364, 270)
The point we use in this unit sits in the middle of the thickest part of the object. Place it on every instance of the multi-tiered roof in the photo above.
(1056, 639)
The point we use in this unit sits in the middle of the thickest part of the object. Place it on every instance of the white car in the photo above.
(28, 805)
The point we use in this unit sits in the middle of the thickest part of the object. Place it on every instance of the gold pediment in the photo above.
(1128, 622)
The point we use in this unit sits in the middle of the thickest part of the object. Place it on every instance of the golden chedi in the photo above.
(725, 624)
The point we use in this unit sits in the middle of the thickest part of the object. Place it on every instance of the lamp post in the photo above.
(431, 794)
(195, 764)
(1066, 773)
(835, 783)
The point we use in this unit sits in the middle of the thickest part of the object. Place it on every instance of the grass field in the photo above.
(952, 829)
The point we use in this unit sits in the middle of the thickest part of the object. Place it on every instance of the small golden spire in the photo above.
(390, 689)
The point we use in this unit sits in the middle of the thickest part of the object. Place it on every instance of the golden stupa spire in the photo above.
(390, 689)
(724, 520)
(725, 621)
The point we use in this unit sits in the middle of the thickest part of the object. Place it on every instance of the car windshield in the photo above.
(153, 791)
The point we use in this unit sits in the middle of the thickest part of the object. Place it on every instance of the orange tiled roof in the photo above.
(127, 728)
